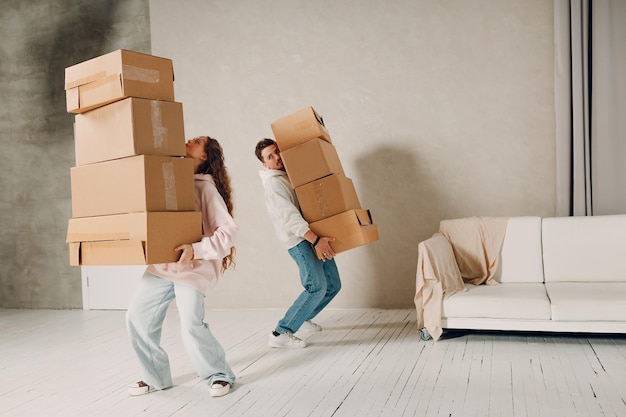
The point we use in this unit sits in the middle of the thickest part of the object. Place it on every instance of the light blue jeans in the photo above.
(144, 321)
(321, 284)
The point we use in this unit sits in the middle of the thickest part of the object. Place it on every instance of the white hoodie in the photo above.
(219, 232)
(283, 207)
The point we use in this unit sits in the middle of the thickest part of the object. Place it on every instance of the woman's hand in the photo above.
(187, 255)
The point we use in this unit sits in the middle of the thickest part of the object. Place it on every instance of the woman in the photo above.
(188, 280)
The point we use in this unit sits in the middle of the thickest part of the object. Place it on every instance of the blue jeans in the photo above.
(320, 281)
(144, 321)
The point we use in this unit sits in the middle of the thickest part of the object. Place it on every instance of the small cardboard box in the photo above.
(350, 229)
(132, 238)
(310, 161)
(132, 126)
(133, 184)
(299, 127)
(116, 75)
(326, 197)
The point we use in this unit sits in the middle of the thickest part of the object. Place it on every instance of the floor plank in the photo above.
(366, 362)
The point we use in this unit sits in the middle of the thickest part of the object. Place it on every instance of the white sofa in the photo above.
(560, 274)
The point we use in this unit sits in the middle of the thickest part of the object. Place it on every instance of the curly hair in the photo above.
(214, 165)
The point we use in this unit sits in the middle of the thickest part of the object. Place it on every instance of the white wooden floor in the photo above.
(364, 363)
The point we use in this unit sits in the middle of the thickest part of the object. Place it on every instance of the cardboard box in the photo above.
(326, 197)
(350, 229)
(117, 75)
(137, 183)
(299, 127)
(132, 126)
(310, 161)
(132, 238)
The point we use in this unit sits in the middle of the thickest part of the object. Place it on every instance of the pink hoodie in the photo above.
(218, 236)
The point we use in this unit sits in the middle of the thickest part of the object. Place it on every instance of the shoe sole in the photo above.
(286, 347)
(137, 391)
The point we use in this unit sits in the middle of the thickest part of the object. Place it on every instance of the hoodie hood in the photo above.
(266, 174)
(204, 177)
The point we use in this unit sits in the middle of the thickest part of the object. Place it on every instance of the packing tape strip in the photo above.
(169, 182)
(86, 80)
(159, 132)
(144, 75)
(321, 198)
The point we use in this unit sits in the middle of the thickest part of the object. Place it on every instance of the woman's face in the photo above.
(195, 149)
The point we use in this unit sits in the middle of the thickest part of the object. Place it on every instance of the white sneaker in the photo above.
(286, 341)
(219, 388)
(140, 388)
(309, 326)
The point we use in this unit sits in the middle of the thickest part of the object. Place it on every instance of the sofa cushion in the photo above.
(520, 257)
(587, 301)
(584, 248)
(527, 301)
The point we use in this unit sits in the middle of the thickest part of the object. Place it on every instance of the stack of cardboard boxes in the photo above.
(133, 197)
(327, 197)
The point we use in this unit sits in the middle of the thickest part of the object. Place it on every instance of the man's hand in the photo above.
(323, 249)
(187, 255)
(321, 245)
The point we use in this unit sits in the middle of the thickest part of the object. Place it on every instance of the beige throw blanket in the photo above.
(467, 252)
(476, 242)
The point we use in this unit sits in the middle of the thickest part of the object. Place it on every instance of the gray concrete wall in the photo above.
(38, 39)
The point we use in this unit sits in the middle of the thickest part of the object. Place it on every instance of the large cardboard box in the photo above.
(132, 126)
(116, 75)
(350, 229)
(326, 197)
(310, 161)
(133, 184)
(299, 127)
(132, 238)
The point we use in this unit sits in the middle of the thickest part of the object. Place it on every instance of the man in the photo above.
(320, 278)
